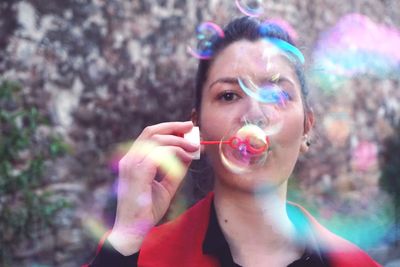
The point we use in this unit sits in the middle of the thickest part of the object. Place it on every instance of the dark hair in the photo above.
(252, 29)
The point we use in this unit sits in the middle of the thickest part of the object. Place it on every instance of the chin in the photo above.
(256, 181)
(261, 178)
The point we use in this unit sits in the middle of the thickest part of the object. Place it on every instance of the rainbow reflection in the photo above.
(356, 45)
(207, 33)
(251, 8)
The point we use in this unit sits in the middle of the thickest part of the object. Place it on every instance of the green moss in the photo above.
(24, 208)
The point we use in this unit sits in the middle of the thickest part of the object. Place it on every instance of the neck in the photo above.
(254, 221)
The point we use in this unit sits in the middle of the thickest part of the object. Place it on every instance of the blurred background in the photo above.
(80, 79)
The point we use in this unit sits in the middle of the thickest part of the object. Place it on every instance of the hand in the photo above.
(149, 176)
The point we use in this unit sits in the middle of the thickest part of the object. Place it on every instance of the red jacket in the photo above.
(179, 242)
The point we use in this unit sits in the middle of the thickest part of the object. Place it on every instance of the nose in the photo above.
(257, 114)
(258, 121)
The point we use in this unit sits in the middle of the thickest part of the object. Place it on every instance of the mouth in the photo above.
(245, 156)
(246, 150)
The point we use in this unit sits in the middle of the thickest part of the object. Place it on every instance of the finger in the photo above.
(174, 173)
(170, 154)
(138, 151)
(175, 127)
(132, 182)
(143, 145)
(171, 140)
(171, 160)
(135, 166)
(171, 182)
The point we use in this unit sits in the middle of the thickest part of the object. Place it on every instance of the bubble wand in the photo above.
(235, 142)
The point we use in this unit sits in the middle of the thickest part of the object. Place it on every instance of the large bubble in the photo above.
(354, 47)
(281, 46)
(207, 33)
(246, 148)
(251, 8)
(266, 92)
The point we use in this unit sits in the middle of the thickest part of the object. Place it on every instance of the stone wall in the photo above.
(101, 70)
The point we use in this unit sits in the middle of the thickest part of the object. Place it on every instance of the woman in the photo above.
(246, 221)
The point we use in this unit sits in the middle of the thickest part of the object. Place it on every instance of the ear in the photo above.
(308, 125)
(195, 117)
(305, 145)
(309, 121)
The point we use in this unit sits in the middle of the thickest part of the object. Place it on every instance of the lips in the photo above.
(245, 149)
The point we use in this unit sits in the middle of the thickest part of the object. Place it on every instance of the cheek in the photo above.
(213, 126)
(211, 129)
(214, 121)
(293, 127)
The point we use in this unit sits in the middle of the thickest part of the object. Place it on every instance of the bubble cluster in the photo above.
(251, 8)
(354, 47)
(207, 33)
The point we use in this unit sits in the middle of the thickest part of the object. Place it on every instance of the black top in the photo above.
(215, 244)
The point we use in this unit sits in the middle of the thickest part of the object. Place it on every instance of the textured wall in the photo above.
(101, 70)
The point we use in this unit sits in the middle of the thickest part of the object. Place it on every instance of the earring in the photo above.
(308, 143)
(305, 144)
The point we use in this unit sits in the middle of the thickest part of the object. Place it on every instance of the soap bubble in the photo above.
(353, 47)
(267, 92)
(364, 156)
(284, 25)
(207, 33)
(244, 149)
(251, 8)
(283, 47)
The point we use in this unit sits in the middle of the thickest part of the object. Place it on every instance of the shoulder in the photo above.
(339, 251)
(193, 220)
(178, 239)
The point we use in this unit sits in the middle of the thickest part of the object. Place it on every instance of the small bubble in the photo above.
(207, 33)
(251, 8)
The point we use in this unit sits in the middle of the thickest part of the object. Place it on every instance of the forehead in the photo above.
(251, 58)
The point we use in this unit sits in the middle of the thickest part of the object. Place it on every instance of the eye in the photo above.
(287, 90)
(285, 96)
(273, 94)
(228, 96)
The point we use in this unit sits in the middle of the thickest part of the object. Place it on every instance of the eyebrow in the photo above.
(282, 79)
(234, 80)
(229, 80)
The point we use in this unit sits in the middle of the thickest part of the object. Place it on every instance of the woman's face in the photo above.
(225, 106)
